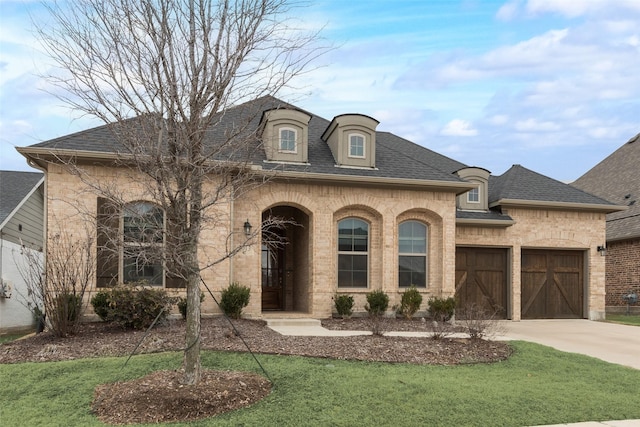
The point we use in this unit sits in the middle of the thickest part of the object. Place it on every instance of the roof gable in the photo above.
(15, 187)
(524, 185)
(617, 180)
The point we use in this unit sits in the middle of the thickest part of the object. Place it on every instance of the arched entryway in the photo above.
(286, 262)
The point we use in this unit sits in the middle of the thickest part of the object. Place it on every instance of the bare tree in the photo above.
(56, 289)
(163, 74)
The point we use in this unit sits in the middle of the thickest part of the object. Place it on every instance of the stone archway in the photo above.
(286, 269)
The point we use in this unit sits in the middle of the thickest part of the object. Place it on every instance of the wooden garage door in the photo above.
(552, 284)
(481, 278)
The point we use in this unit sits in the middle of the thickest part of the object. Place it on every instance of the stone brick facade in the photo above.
(547, 229)
(319, 206)
(623, 271)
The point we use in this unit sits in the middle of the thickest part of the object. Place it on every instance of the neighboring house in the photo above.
(21, 223)
(617, 179)
(374, 211)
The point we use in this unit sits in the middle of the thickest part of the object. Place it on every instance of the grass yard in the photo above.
(538, 385)
(10, 337)
(632, 319)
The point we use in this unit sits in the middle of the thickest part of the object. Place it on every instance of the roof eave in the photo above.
(540, 204)
(449, 186)
(477, 222)
(40, 155)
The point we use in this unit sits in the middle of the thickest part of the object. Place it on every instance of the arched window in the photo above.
(353, 253)
(143, 240)
(412, 254)
(288, 139)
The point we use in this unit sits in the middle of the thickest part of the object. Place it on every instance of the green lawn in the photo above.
(633, 319)
(10, 337)
(538, 385)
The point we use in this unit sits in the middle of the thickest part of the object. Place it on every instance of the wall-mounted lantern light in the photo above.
(247, 228)
(602, 250)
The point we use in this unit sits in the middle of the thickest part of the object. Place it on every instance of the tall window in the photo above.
(412, 254)
(356, 145)
(143, 238)
(287, 139)
(473, 196)
(353, 253)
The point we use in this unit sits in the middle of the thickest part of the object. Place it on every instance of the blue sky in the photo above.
(553, 85)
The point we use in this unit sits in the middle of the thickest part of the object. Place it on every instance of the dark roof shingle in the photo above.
(14, 187)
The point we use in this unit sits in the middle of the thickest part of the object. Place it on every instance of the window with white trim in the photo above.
(353, 253)
(143, 240)
(288, 138)
(356, 145)
(412, 254)
(473, 196)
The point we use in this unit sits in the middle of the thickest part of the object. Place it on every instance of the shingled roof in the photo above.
(617, 179)
(14, 188)
(520, 185)
(396, 159)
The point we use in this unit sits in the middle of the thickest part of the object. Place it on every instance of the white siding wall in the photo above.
(14, 315)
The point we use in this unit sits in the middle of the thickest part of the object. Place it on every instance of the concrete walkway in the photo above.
(610, 342)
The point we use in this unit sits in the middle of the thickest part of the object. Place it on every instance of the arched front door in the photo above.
(286, 261)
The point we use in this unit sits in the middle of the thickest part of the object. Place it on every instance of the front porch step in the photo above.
(293, 322)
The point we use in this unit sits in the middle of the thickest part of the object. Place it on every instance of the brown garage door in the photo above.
(552, 284)
(481, 278)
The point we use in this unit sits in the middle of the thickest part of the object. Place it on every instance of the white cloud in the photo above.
(458, 127)
(574, 8)
(508, 11)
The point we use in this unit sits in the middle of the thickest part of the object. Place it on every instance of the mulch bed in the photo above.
(142, 400)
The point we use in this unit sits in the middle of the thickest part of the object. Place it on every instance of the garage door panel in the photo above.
(481, 278)
(552, 284)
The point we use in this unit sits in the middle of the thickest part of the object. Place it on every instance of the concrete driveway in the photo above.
(610, 342)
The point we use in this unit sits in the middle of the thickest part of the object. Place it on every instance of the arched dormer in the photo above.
(352, 139)
(285, 135)
(478, 198)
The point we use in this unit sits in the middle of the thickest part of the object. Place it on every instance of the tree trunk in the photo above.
(191, 362)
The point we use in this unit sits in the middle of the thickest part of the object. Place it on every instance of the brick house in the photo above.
(616, 179)
(373, 211)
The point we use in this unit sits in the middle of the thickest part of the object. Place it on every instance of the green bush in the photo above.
(441, 309)
(344, 305)
(132, 307)
(410, 302)
(377, 303)
(234, 299)
(182, 305)
(100, 304)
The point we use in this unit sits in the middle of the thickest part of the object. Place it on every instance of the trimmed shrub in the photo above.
(377, 303)
(441, 309)
(182, 305)
(344, 305)
(410, 302)
(100, 304)
(234, 299)
(133, 307)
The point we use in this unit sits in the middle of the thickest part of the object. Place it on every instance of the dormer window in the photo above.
(356, 145)
(352, 140)
(473, 196)
(286, 135)
(475, 199)
(288, 138)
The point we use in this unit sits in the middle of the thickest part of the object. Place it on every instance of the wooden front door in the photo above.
(552, 284)
(272, 277)
(481, 279)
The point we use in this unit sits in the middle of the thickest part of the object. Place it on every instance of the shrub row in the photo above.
(440, 309)
(136, 307)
